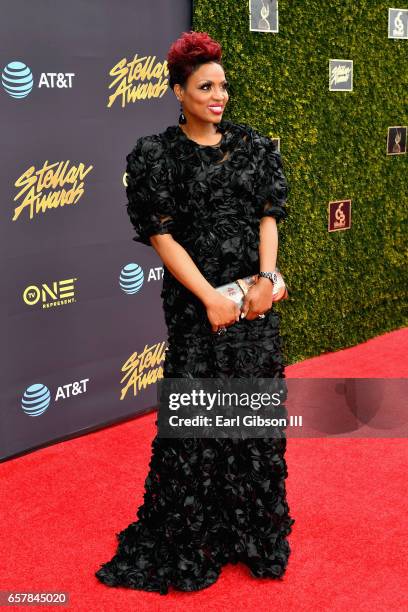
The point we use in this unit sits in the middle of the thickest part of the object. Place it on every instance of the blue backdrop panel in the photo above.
(83, 330)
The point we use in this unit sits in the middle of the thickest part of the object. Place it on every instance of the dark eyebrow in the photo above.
(210, 81)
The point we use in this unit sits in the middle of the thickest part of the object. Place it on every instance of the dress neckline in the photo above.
(220, 127)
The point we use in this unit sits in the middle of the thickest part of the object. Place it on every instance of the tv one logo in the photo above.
(18, 81)
(56, 293)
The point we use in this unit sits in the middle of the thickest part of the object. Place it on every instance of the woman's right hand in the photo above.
(221, 311)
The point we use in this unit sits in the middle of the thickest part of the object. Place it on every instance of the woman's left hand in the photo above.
(258, 300)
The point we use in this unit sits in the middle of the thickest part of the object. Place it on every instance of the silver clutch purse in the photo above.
(236, 290)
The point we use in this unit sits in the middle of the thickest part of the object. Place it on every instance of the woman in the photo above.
(207, 194)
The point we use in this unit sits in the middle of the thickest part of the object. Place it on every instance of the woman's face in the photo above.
(205, 94)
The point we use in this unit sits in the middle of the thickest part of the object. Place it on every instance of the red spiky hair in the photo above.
(188, 52)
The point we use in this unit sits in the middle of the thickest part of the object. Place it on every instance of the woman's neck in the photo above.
(202, 133)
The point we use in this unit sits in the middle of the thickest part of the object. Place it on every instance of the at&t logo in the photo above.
(132, 277)
(37, 397)
(17, 79)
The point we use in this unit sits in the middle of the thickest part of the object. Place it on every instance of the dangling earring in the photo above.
(182, 117)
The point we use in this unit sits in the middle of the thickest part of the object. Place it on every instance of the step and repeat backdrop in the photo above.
(83, 333)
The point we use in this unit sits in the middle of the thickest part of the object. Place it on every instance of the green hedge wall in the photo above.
(345, 286)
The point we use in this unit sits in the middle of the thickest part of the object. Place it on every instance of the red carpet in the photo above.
(63, 504)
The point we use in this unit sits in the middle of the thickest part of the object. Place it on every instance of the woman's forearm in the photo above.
(268, 244)
(182, 267)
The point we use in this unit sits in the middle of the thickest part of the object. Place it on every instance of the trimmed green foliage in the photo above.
(345, 286)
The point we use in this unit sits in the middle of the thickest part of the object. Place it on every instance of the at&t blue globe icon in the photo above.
(36, 399)
(17, 79)
(131, 278)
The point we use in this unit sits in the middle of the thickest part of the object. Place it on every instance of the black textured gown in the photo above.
(208, 501)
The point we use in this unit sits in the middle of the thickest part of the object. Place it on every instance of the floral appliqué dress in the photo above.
(208, 501)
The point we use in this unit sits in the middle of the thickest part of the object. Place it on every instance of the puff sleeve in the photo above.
(272, 189)
(150, 204)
